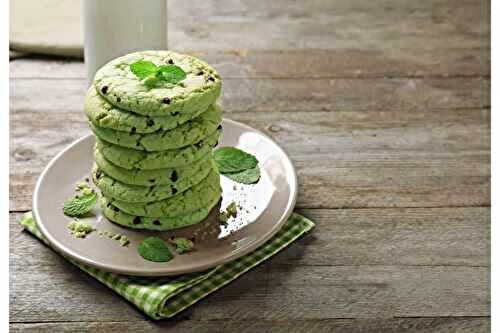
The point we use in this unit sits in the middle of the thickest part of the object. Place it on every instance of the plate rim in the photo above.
(66, 252)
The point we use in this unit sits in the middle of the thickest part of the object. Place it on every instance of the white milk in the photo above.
(116, 27)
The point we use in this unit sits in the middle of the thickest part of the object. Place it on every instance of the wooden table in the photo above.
(384, 107)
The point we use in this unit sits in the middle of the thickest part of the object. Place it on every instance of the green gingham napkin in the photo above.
(166, 296)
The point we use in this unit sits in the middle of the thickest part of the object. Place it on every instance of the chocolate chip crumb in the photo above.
(137, 220)
(104, 90)
(166, 100)
(173, 176)
(170, 61)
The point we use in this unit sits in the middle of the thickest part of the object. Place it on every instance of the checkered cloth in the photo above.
(166, 296)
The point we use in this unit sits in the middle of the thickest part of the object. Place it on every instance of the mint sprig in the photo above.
(154, 249)
(80, 205)
(249, 176)
(231, 159)
(237, 165)
(153, 75)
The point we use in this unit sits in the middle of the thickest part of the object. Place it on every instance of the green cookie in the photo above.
(186, 134)
(198, 196)
(170, 176)
(105, 115)
(136, 193)
(159, 224)
(136, 159)
(120, 87)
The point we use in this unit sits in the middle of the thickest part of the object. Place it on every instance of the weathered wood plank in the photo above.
(361, 159)
(414, 325)
(243, 95)
(415, 236)
(353, 266)
(298, 64)
(414, 35)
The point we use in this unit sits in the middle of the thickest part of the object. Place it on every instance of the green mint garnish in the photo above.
(80, 205)
(249, 176)
(182, 244)
(230, 159)
(237, 165)
(154, 75)
(80, 229)
(154, 249)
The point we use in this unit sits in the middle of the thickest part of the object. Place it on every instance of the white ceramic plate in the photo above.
(265, 208)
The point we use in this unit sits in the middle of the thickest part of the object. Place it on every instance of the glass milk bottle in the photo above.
(115, 27)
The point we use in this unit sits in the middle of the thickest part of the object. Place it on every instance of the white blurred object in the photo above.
(116, 27)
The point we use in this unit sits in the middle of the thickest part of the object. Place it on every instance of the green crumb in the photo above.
(231, 211)
(182, 244)
(122, 239)
(82, 185)
(80, 229)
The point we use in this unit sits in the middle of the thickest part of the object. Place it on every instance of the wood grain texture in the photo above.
(412, 325)
(358, 263)
(361, 159)
(383, 107)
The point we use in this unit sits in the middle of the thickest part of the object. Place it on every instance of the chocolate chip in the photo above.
(156, 222)
(200, 73)
(176, 113)
(138, 144)
(108, 204)
(116, 209)
(87, 179)
(132, 131)
(152, 180)
(173, 176)
(137, 220)
(216, 143)
(219, 127)
(210, 78)
(98, 173)
(104, 90)
(198, 144)
(192, 239)
(170, 61)
(150, 122)
(118, 99)
(166, 100)
(174, 190)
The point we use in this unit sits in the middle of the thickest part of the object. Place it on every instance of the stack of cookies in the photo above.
(153, 153)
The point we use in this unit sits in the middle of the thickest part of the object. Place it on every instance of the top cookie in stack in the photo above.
(153, 160)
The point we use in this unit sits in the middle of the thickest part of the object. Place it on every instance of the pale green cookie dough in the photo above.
(137, 159)
(158, 224)
(167, 176)
(120, 87)
(196, 197)
(186, 134)
(135, 193)
(105, 115)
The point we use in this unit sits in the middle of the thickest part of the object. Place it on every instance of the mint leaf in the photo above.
(249, 176)
(80, 205)
(182, 244)
(154, 249)
(153, 75)
(230, 159)
(143, 68)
